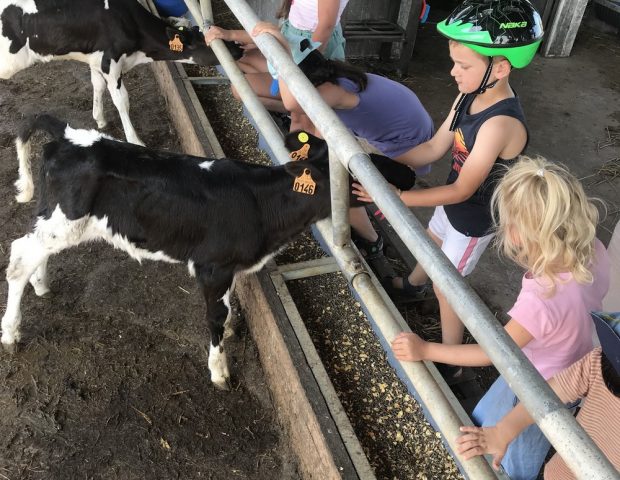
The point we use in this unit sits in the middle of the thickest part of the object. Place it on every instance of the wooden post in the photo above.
(565, 22)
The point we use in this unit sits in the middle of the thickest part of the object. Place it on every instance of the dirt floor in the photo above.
(111, 378)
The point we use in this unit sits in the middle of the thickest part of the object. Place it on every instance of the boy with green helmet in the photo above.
(485, 129)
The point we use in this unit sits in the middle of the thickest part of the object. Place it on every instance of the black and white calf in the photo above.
(111, 36)
(220, 217)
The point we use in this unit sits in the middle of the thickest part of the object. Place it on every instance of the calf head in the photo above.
(190, 44)
(303, 145)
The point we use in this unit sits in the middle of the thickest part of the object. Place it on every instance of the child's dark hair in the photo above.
(610, 376)
(319, 70)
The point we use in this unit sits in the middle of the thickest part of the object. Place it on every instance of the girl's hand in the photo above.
(361, 193)
(481, 441)
(266, 27)
(409, 347)
(216, 32)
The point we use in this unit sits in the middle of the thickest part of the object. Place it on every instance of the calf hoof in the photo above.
(223, 385)
(47, 293)
(23, 197)
(10, 348)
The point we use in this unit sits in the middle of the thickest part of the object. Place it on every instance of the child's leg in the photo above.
(301, 121)
(464, 253)
(358, 218)
(253, 61)
(437, 231)
(261, 84)
(526, 454)
(418, 276)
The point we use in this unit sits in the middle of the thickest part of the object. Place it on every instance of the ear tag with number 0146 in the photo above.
(304, 183)
(176, 45)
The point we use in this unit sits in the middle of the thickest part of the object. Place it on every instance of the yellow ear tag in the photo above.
(303, 137)
(176, 45)
(301, 154)
(304, 183)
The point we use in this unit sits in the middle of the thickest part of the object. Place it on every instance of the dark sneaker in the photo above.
(454, 375)
(369, 250)
(412, 293)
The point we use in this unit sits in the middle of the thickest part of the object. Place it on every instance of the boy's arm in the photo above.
(409, 347)
(491, 140)
(328, 18)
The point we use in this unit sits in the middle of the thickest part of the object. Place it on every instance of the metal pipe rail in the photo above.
(556, 422)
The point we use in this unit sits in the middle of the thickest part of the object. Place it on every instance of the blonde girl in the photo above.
(545, 223)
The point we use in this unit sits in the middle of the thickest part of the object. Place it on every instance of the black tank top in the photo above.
(472, 217)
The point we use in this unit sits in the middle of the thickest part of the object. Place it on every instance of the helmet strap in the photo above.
(484, 86)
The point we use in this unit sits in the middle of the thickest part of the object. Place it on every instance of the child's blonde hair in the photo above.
(546, 222)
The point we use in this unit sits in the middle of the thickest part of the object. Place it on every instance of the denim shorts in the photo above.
(526, 453)
(335, 46)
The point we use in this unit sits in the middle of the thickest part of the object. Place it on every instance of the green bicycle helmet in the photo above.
(511, 28)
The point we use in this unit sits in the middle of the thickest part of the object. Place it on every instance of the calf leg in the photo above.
(39, 281)
(216, 285)
(226, 299)
(119, 95)
(99, 85)
(27, 255)
(28, 260)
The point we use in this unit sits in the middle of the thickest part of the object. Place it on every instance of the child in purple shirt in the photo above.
(386, 114)
(545, 223)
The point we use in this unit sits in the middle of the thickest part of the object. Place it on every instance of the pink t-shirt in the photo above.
(561, 324)
(304, 14)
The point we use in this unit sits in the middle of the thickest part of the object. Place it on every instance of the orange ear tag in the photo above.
(301, 154)
(176, 45)
(304, 183)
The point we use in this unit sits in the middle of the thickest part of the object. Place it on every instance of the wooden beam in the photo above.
(566, 18)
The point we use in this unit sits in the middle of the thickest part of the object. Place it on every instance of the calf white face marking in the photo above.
(106, 5)
(84, 138)
(207, 164)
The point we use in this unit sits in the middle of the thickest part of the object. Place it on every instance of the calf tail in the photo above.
(56, 128)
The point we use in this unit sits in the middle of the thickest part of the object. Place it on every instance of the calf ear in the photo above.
(302, 142)
(185, 35)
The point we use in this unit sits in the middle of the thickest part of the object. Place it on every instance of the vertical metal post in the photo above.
(339, 180)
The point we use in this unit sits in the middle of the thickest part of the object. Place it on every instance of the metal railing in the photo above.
(557, 423)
